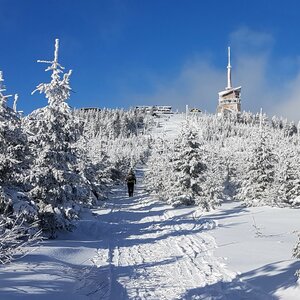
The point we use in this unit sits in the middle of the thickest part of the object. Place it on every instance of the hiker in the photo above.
(131, 180)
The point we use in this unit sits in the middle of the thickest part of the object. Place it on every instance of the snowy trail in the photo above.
(150, 251)
(141, 249)
(144, 249)
(156, 252)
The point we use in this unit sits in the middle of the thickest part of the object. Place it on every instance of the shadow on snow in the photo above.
(244, 285)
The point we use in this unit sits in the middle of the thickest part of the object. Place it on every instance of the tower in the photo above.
(230, 98)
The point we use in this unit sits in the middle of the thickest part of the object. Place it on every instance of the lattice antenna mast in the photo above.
(229, 83)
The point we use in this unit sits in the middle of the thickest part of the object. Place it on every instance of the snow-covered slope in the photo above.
(142, 248)
(258, 243)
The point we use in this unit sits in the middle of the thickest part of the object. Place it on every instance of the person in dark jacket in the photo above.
(131, 181)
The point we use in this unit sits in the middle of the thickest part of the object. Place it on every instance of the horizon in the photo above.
(129, 53)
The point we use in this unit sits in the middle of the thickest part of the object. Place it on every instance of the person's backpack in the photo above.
(130, 178)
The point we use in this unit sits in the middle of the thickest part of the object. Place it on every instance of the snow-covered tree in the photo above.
(183, 172)
(187, 168)
(259, 174)
(287, 180)
(114, 139)
(59, 184)
(14, 163)
(158, 176)
(11, 150)
(16, 209)
(113, 123)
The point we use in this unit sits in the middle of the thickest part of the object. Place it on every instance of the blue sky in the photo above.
(124, 53)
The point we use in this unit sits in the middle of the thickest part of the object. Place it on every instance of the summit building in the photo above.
(230, 98)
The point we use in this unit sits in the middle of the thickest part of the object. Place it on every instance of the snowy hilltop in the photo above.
(143, 248)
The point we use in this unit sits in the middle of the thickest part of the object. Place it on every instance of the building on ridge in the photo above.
(230, 98)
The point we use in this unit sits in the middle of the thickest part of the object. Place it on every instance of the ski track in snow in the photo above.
(153, 251)
(133, 248)
(155, 254)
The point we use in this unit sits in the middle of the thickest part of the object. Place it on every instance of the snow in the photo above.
(258, 243)
(223, 93)
(143, 248)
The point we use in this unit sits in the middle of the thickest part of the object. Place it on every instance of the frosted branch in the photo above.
(56, 50)
(3, 98)
(15, 102)
(2, 86)
(55, 66)
(16, 240)
(58, 90)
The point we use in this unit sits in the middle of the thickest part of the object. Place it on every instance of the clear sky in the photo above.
(173, 52)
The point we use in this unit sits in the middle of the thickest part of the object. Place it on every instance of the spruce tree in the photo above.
(288, 176)
(258, 180)
(14, 163)
(58, 182)
(186, 186)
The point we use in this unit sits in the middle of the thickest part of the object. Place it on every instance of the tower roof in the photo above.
(227, 91)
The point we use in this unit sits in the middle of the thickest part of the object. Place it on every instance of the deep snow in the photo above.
(142, 248)
(258, 243)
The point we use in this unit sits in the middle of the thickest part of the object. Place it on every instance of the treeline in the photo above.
(113, 123)
(216, 158)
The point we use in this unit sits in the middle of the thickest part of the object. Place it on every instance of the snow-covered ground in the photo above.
(142, 248)
(257, 243)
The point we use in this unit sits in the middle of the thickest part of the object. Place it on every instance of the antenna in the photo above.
(229, 84)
